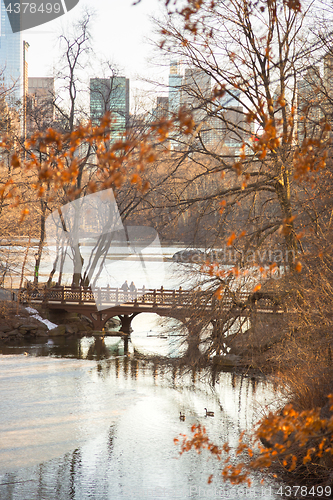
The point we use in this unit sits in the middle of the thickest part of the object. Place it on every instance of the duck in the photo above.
(209, 413)
(181, 416)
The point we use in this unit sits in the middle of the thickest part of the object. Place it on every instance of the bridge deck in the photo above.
(145, 300)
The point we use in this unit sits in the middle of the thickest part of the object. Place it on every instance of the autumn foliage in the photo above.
(57, 159)
(292, 443)
(270, 161)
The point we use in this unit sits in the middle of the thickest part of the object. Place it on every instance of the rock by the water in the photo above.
(13, 333)
(58, 331)
(41, 333)
(187, 256)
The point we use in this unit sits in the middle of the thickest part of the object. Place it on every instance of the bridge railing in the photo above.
(108, 295)
(105, 295)
(149, 297)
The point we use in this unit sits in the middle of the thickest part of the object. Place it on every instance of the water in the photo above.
(93, 425)
(80, 421)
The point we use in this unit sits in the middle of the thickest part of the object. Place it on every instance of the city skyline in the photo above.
(117, 31)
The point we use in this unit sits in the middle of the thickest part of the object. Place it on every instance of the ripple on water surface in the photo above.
(80, 429)
(50, 406)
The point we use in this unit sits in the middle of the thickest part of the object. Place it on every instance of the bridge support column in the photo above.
(98, 320)
(126, 320)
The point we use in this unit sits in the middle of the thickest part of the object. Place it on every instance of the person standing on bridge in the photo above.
(124, 287)
(133, 290)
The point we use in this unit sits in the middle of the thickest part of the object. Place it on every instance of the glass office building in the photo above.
(11, 57)
(110, 94)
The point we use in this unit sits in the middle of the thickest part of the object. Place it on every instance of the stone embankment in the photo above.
(20, 329)
(17, 324)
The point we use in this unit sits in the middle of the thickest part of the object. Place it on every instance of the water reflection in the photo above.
(93, 347)
(103, 429)
(148, 338)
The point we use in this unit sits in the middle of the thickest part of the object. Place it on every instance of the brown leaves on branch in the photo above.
(310, 157)
(186, 121)
(56, 160)
(293, 5)
(287, 439)
(268, 141)
(193, 10)
(199, 441)
(194, 6)
(15, 162)
(307, 159)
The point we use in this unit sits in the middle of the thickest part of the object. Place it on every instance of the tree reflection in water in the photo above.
(131, 451)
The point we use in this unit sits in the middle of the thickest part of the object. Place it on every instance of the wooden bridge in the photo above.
(126, 305)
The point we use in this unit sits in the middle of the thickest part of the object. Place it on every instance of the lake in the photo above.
(80, 422)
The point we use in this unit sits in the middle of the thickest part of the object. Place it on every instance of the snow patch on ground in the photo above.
(35, 314)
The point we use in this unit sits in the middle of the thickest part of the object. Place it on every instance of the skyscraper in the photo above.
(328, 73)
(227, 126)
(40, 105)
(175, 87)
(310, 103)
(110, 94)
(162, 107)
(11, 57)
(220, 122)
(196, 91)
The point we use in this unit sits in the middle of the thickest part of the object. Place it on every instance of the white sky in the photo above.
(118, 30)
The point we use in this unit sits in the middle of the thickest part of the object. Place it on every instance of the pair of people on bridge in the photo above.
(126, 288)
(131, 288)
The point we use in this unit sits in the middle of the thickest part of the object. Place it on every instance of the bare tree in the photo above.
(246, 133)
(76, 46)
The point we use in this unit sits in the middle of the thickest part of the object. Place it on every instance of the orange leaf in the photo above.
(218, 292)
(24, 213)
(298, 267)
(231, 239)
(135, 179)
(15, 161)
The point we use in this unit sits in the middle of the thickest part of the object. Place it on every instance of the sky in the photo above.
(118, 31)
